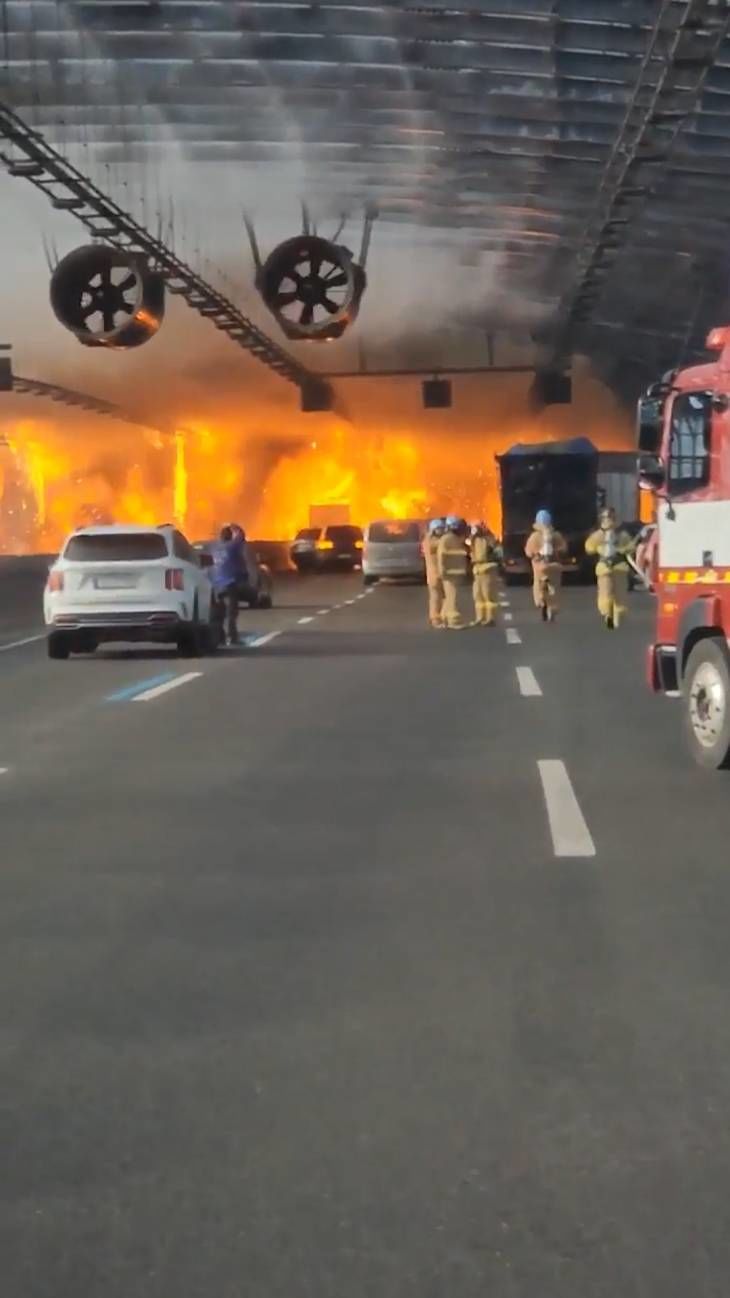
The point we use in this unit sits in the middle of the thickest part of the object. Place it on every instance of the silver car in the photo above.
(393, 547)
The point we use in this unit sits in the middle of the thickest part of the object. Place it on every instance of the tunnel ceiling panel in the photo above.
(583, 144)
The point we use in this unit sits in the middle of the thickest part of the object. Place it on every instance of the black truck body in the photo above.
(559, 476)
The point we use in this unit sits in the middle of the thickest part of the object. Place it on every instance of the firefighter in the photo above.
(611, 545)
(544, 548)
(485, 569)
(452, 558)
(436, 529)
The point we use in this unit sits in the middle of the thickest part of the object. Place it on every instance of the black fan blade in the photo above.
(108, 314)
(330, 306)
(285, 299)
(126, 307)
(105, 276)
(127, 283)
(90, 309)
(336, 281)
(315, 263)
(307, 315)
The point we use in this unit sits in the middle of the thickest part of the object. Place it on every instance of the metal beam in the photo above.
(62, 183)
(433, 372)
(84, 401)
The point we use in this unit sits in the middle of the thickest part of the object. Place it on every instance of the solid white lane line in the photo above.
(155, 693)
(263, 639)
(527, 681)
(568, 829)
(302, 621)
(18, 644)
(507, 617)
(513, 637)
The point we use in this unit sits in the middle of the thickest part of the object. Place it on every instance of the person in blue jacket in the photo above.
(228, 571)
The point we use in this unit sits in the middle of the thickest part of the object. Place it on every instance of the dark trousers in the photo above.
(227, 602)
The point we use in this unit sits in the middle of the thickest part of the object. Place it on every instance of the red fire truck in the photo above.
(684, 444)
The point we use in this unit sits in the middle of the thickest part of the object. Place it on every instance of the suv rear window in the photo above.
(341, 532)
(394, 531)
(121, 547)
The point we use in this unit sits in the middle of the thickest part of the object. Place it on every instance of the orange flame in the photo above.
(57, 475)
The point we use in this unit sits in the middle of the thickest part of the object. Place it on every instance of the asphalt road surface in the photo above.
(369, 962)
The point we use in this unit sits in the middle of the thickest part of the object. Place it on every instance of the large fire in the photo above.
(57, 475)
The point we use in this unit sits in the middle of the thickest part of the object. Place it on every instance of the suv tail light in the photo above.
(174, 579)
(325, 545)
(55, 581)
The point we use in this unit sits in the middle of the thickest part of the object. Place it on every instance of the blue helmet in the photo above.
(544, 518)
(436, 525)
(452, 523)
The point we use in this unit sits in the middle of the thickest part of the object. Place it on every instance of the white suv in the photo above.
(124, 583)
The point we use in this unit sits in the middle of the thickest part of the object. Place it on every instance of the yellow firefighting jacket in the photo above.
(430, 554)
(484, 555)
(622, 545)
(452, 558)
(536, 541)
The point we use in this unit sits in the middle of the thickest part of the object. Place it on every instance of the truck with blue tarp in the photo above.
(559, 476)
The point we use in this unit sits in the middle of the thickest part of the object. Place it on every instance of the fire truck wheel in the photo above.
(706, 700)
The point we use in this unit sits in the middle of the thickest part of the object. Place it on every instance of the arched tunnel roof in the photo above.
(587, 142)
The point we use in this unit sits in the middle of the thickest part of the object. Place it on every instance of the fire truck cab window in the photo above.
(689, 441)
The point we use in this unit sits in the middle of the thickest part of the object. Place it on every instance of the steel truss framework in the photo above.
(83, 400)
(585, 141)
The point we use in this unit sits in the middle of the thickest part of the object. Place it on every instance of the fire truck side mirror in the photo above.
(649, 422)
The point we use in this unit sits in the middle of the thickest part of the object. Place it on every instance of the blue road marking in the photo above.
(123, 696)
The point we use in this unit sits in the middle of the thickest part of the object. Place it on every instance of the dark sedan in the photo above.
(335, 548)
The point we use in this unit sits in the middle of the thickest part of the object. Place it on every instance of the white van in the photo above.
(393, 547)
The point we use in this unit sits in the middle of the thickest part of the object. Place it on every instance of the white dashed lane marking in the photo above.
(263, 639)
(513, 636)
(568, 829)
(19, 644)
(527, 682)
(302, 621)
(147, 695)
(507, 617)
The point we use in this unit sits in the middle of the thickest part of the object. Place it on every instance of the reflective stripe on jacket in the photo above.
(453, 558)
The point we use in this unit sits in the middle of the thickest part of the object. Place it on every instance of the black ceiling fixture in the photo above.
(551, 388)
(436, 394)
(108, 298)
(312, 286)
